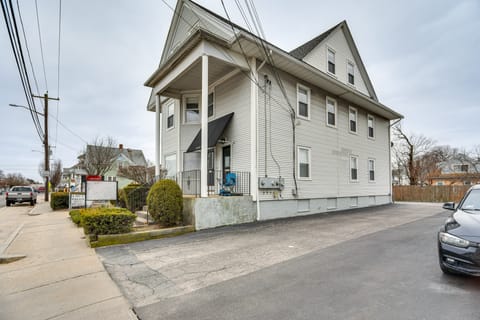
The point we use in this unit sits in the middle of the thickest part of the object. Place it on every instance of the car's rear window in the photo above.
(22, 189)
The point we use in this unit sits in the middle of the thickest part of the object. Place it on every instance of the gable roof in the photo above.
(213, 27)
(301, 51)
(135, 156)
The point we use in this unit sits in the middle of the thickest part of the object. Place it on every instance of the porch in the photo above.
(190, 183)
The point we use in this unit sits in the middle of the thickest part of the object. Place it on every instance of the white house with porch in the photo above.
(302, 131)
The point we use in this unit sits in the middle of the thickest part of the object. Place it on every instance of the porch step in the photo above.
(143, 217)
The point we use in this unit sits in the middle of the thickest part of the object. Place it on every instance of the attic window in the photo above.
(331, 61)
(350, 73)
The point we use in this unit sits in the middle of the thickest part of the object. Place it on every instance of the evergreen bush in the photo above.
(59, 200)
(165, 203)
(106, 220)
(76, 217)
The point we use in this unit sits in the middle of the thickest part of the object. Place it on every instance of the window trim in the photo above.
(309, 151)
(373, 126)
(350, 168)
(212, 92)
(349, 62)
(374, 169)
(356, 120)
(184, 108)
(335, 112)
(300, 86)
(172, 104)
(330, 49)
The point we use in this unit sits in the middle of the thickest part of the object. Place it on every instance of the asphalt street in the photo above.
(375, 263)
(391, 274)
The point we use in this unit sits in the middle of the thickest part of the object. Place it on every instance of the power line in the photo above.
(41, 46)
(68, 129)
(9, 16)
(58, 65)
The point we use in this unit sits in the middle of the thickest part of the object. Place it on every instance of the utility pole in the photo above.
(45, 141)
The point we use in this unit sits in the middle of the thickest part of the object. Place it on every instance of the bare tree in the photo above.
(140, 174)
(99, 157)
(55, 173)
(15, 179)
(408, 152)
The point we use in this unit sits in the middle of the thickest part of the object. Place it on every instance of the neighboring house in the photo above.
(124, 157)
(458, 172)
(303, 130)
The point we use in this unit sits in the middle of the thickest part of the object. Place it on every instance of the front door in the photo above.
(226, 160)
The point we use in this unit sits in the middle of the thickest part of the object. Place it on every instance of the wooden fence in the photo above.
(429, 193)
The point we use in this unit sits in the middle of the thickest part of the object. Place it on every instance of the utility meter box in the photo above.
(271, 183)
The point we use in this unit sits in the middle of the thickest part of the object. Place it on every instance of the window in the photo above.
(331, 112)
(353, 168)
(350, 73)
(460, 168)
(170, 115)
(191, 161)
(210, 105)
(192, 111)
(371, 126)
(352, 117)
(371, 170)
(304, 163)
(331, 60)
(171, 165)
(303, 102)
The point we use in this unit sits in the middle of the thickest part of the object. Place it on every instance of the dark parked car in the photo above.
(459, 238)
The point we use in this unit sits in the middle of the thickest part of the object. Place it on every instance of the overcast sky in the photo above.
(422, 57)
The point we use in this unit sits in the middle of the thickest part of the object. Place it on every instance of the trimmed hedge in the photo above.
(59, 200)
(76, 217)
(106, 220)
(165, 203)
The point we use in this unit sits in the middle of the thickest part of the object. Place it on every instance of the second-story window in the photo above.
(170, 115)
(192, 111)
(352, 117)
(371, 126)
(331, 112)
(331, 60)
(371, 170)
(303, 104)
(351, 73)
(210, 105)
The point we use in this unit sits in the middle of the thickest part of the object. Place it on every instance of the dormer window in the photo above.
(350, 73)
(331, 60)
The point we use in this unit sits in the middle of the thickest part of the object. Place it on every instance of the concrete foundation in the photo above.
(220, 211)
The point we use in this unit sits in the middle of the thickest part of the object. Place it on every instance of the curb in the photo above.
(6, 258)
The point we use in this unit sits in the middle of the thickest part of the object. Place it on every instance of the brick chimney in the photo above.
(120, 146)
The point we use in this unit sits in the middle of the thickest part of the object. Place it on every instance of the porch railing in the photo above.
(189, 182)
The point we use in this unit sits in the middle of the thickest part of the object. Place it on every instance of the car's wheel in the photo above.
(35, 201)
(8, 203)
(32, 203)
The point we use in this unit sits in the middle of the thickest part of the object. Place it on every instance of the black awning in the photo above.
(215, 130)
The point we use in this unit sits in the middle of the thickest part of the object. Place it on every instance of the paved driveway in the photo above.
(157, 270)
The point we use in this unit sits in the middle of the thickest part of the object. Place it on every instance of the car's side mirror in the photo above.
(449, 206)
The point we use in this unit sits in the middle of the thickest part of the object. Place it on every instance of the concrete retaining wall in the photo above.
(221, 211)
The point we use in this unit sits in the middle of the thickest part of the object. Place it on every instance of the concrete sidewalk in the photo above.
(60, 278)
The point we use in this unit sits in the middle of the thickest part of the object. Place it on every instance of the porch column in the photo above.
(158, 132)
(204, 121)
(253, 131)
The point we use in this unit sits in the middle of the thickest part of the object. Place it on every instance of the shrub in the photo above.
(76, 217)
(136, 198)
(106, 220)
(165, 202)
(59, 200)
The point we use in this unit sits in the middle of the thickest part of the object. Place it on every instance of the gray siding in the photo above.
(233, 95)
(330, 147)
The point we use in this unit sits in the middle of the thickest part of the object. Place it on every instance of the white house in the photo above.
(303, 130)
